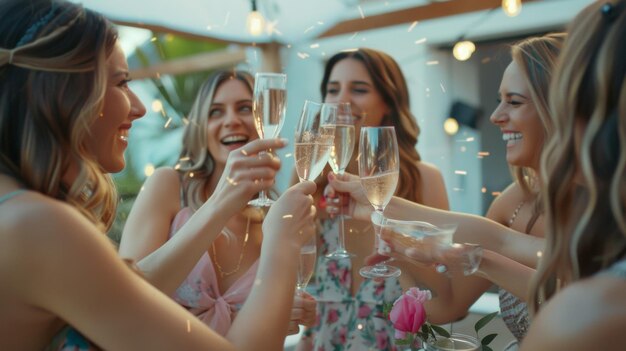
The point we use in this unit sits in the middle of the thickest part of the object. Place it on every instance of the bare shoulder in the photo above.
(504, 204)
(162, 189)
(41, 236)
(587, 315)
(428, 170)
(431, 179)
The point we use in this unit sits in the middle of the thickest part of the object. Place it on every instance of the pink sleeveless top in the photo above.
(200, 293)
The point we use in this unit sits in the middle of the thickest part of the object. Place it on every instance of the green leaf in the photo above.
(403, 341)
(488, 339)
(483, 321)
(441, 331)
(387, 307)
(486, 348)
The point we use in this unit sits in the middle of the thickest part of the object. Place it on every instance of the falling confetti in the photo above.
(483, 153)
(412, 26)
(309, 29)
(287, 216)
(303, 55)
(431, 63)
(442, 88)
(188, 326)
(167, 123)
(483, 190)
(315, 46)
(361, 12)
(354, 35)
(460, 172)
(495, 193)
(420, 41)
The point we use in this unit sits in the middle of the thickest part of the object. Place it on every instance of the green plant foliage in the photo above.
(484, 321)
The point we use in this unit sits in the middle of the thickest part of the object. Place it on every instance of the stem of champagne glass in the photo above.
(341, 245)
(380, 267)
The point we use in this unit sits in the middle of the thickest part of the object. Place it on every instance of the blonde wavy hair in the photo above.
(196, 163)
(52, 88)
(537, 57)
(584, 164)
(391, 85)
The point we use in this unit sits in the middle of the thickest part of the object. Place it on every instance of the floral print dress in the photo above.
(345, 322)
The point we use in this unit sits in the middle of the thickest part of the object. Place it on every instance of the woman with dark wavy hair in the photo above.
(65, 114)
(374, 85)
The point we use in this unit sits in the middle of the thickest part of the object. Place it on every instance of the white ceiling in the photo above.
(294, 20)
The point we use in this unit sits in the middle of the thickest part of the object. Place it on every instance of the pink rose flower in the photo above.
(408, 313)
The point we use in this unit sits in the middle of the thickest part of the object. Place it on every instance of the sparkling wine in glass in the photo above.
(379, 166)
(308, 255)
(268, 108)
(340, 155)
(314, 139)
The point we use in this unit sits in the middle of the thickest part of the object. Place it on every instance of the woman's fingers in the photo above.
(260, 145)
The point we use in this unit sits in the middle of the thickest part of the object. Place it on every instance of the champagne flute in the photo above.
(308, 255)
(379, 166)
(313, 140)
(268, 109)
(340, 154)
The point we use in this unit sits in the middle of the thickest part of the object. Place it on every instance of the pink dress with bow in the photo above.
(200, 293)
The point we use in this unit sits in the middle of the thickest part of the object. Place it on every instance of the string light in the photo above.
(512, 8)
(451, 126)
(255, 22)
(463, 50)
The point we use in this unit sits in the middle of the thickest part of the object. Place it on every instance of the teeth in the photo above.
(512, 136)
(234, 138)
(123, 135)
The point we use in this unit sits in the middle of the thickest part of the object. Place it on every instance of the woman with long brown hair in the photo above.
(348, 305)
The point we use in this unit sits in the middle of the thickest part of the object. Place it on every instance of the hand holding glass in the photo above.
(268, 109)
(429, 244)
